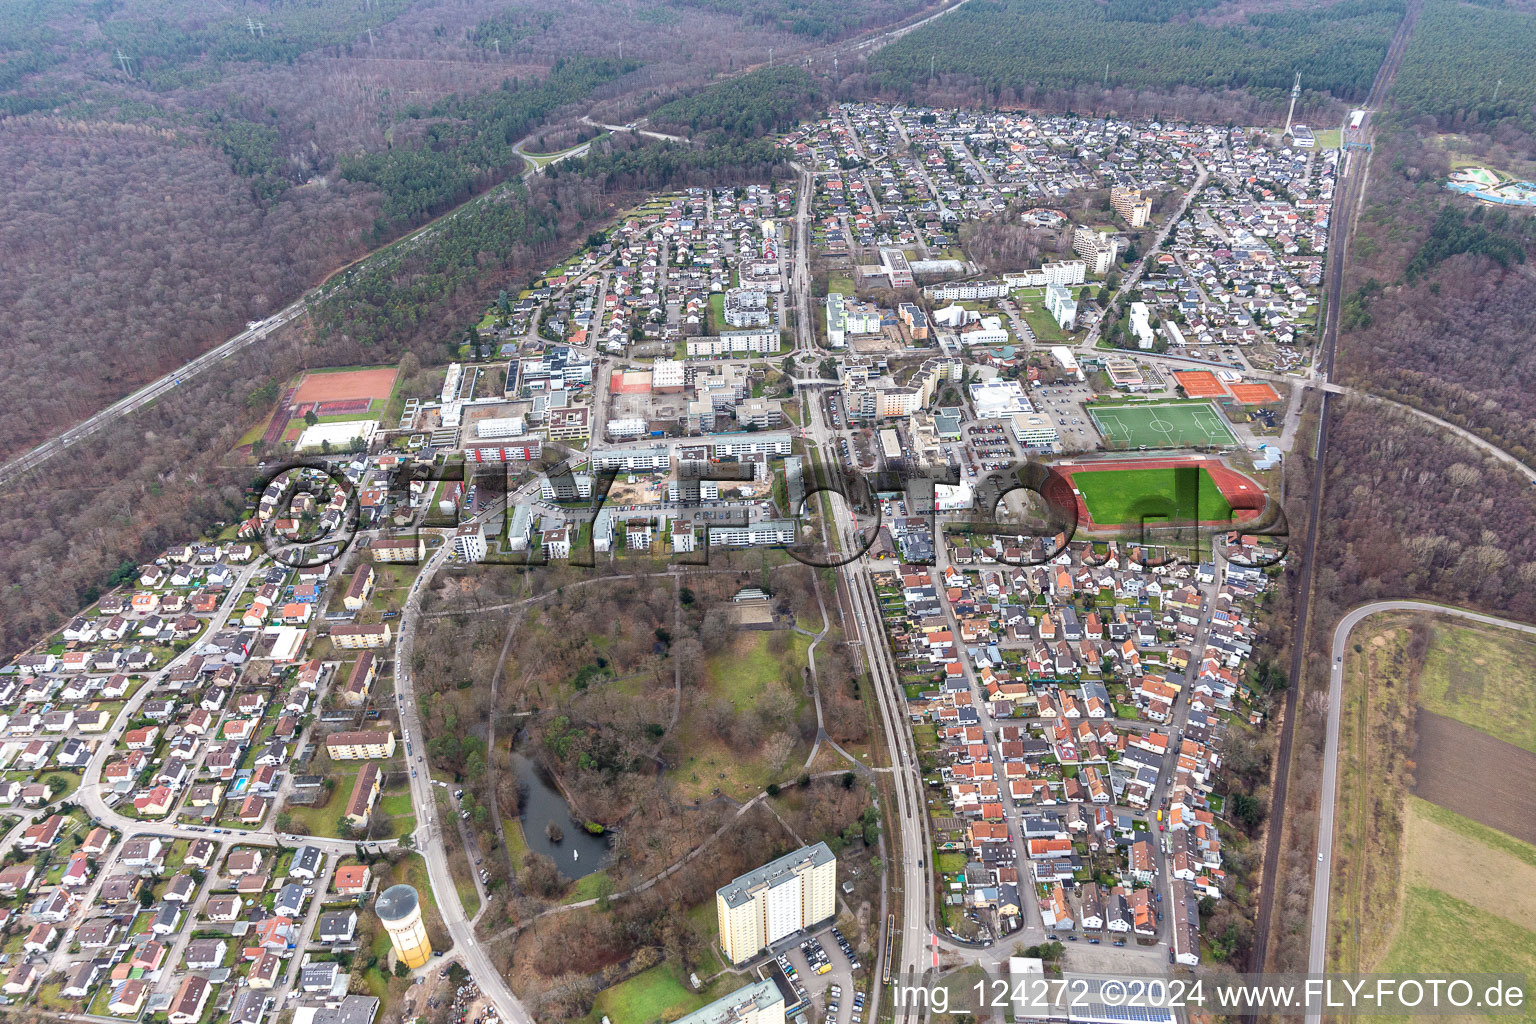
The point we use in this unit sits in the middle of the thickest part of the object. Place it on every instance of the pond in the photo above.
(580, 852)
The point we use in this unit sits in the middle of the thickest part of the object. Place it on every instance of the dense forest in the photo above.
(1440, 298)
(463, 142)
(817, 19)
(1468, 66)
(174, 168)
(1012, 51)
(767, 101)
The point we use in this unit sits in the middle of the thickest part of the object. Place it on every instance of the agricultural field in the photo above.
(1483, 677)
(1449, 756)
(1460, 880)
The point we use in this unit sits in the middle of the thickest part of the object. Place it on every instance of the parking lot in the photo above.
(1064, 405)
(991, 446)
(833, 995)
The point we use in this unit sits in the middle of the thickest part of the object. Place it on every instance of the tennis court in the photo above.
(1200, 384)
(1183, 425)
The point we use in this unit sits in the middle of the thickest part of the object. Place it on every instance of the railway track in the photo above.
(1346, 202)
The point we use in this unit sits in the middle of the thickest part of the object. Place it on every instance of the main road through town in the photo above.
(1318, 949)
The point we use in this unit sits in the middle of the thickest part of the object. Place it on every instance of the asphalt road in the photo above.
(1318, 950)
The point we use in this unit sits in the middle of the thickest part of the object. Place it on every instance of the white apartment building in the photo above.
(846, 316)
(757, 1003)
(1098, 248)
(778, 899)
(1141, 325)
(638, 459)
(1062, 306)
(730, 343)
(750, 443)
(565, 487)
(1059, 272)
(768, 533)
(693, 490)
(626, 429)
(747, 307)
(1132, 205)
(500, 426)
(469, 542)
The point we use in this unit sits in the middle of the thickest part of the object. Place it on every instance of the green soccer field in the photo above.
(1116, 497)
(1192, 424)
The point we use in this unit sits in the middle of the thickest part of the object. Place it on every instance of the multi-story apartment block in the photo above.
(356, 638)
(765, 534)
(362, 745)
(565, 487)
(397, 547)
(1061, 305)
(848, 316)
(641, 458)
(758, 340)
(747, 307)
(1130, 204)
(1098, 248)
(469, 542)
(778, 899)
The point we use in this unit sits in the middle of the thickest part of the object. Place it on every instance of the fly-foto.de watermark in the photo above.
(1161, 998)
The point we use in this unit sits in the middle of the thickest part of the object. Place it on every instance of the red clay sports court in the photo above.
(1255, 394)
(1200, 384)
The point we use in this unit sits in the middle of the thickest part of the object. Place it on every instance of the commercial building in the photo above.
(1066, 360)
(667, 376)
(897, 267)
(998, 399)
(1035, 431)
(399, 910)
(778, 899)
(758, 1003)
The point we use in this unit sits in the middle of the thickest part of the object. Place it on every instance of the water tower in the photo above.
(399, 908)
